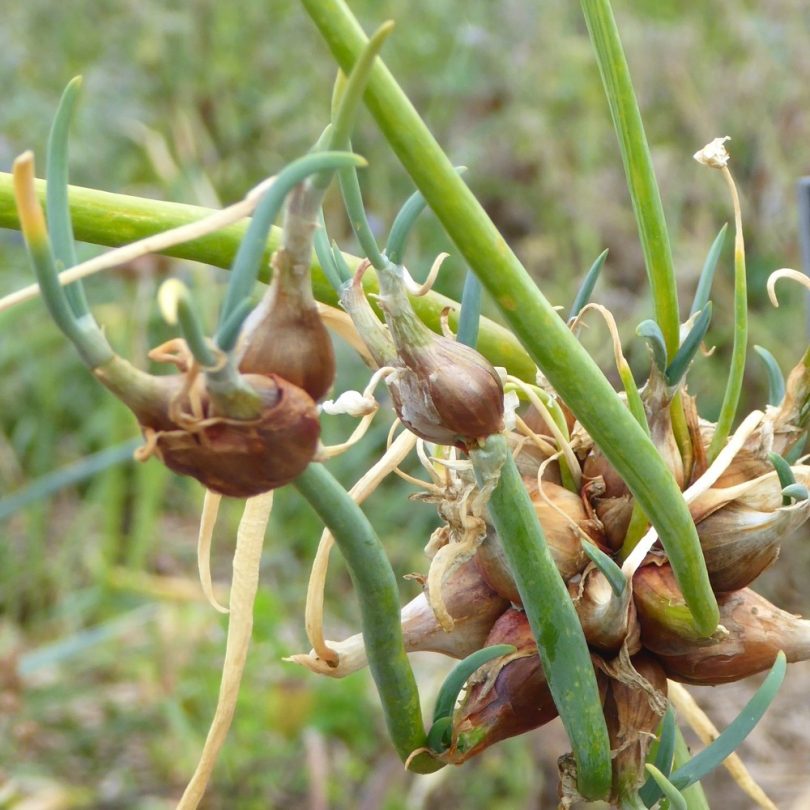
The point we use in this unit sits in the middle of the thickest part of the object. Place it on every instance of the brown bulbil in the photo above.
(447, 393)
(239, 458)
(744, 526)
(751, 634)
(245, 458)
(285, 336)
(509, 696)
(564, 541)
(607, 620)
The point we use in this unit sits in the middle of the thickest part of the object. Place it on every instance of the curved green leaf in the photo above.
(588, 283)
(707, 274)
(776, 380)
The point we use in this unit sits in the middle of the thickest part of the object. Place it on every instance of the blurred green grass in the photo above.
(196, 104)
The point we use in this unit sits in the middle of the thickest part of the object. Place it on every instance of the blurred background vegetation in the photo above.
(109, 660)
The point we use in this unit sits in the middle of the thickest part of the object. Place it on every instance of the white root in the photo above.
(418, 290)
(785, 272)
(246, 559)
(208, 520)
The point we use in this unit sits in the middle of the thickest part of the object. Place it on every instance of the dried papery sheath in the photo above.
(632, 716)
(751, 633)
(608, 496)
(373, 332)
(657, 398)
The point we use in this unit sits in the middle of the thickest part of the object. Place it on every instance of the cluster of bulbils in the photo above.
(247, 422)
(448, 394)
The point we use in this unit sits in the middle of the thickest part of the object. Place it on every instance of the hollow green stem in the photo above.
(60, 229)
(403, 225)
(671, 793)
(353, 200)
(349, 91)
(102, 218)
(533, 320)
(638, 167)
(612, 573)
(683, 357)
(177, 308)
(323, 251)
(248, 258)
(731, 398)
(556, 628)
(733, 735)
(661, 753)
(378, 595)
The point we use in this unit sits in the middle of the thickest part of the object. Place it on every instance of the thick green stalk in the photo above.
(565, 363)
(551, 614)
(102, 218)
(638, 167)
(376, 588)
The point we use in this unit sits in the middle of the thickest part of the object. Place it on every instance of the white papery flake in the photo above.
(714, 154)
(511, 402)
(352, 403)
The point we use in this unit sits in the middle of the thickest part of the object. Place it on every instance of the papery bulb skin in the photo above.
(372, 331)
(289, 340)
(186, 430)
(609, 496)
(445, 392)
(507, 697)
(245, 458)
(490, 559)
(470, 601)
(657, 398)
(565, 524)
(751, 632)
(742, 527)
(632, 715)
(560, 513)
(608, 621)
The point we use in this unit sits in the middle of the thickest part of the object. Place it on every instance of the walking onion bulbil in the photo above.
(594, 547)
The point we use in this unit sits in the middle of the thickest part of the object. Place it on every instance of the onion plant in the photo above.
(596, 548)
